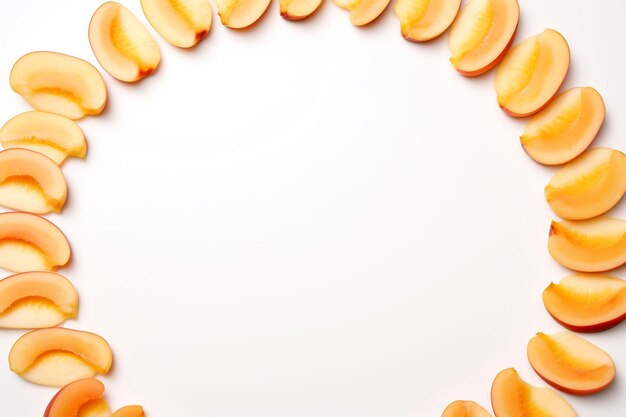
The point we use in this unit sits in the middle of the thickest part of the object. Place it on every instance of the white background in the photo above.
(310, 219)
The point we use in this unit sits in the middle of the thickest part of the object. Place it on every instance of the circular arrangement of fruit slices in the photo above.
(529, 74)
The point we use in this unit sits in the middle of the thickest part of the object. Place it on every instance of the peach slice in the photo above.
(238, 14)
(481, 34)
(58, 356)
(531, 73)
(121, 44)
(587, 302)
(363, 12)
(129, 411)
(565, 128)
(182, 23)
(570, 363)
(59, 83)
(513, 397)
(298, 9)
(31, 243)
(588, 186)
(32, 300)
(54, 136)
(593, 245)
(465, 409)
(82, 398)
(30, 181)
(423, 20)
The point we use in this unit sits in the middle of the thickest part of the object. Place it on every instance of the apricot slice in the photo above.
(31, 243)
(513, 397)
(531, 73)
(59, 83)
(570, 363)
(587, 302)
(238, 14)
(182, 23)
(423, 20)
(481, 34)
(565, 128)
(58, 356)
(462, 408)
(363, 12)
(129, 411)
(121, 44)
(298, 9)
(54, 136)
(30, 181)
(82, 398)
(593, 245)
(32, 300)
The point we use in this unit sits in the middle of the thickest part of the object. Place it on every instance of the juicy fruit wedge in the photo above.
(31, 243)
(481, 35)
(465, 409)
(59, 83)
(182, 23)
(513, 397)
(594, 245)
(33, 300)
(54, 136)
(588, 186)
(31, 182)
(570, 363)
(565, 128)
(121, 44)
(239, 14)
(531, 73)
(587, 302)
(58, 356)
(423, 20)
(82, 398)
(298, 9)
(363, 12)
(129, 411)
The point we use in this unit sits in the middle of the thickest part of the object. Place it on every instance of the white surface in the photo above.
(308, 219)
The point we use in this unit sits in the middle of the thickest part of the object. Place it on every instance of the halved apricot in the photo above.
(82, 398)
(182, 23)
(31, 182)
(121, 44)
(58, 356)
(481, 34)
(129, 411)
(31, 243)
(587, 302)
(531, 73)
(593, 245)
(462, 408)
(423, 20)
(513, 397)
(298, 9)
(239, 14)
(363, 12)
(59, 83)
(570, 363)
(565, 128)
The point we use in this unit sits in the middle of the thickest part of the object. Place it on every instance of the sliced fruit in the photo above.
(82, 398)
(465, 409)
(298, 9)
(363, 12)
(587, 302)
(593, 245)
(31, 182)
(182, 23)
(239, 14)
(565, 128)
(531, 73)
(481, 34)
(512, 397)
(129, 411)
(31, 243)
(121, 44)
(423, 20)
(570, 363)
(33, 300)
(54, 136)
(59, 83)
(58, 356)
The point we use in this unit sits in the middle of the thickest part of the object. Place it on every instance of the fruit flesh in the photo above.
(423, 20)
(182, 23)
(465, 409)
(129, 411)
(298, 9)
(363, 12)
(71, 400)
(239, 14)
